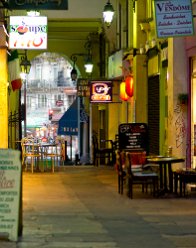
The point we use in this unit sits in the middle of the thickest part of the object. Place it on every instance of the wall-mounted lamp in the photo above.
(25, 64)
(108, 13)
(25, 68)
(33, 13)
(89, 65)
(74, 73)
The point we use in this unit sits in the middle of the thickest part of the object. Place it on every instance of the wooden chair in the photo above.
(30, 150)
(103, 153)
(119, 165)
(53, 153)
(143, 177)
(137, 162)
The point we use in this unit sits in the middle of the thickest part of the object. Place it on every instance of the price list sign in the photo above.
(133, 136)
(10, 183)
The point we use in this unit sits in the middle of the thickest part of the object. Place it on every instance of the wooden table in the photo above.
(39, 148)
(165, 169)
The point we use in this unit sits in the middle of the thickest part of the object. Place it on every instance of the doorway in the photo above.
(153, 114)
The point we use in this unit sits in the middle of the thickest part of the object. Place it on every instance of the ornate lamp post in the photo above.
(25, 67)
(108, 13)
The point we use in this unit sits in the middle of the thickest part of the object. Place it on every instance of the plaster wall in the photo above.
(177, 83)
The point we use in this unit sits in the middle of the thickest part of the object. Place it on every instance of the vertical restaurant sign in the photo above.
(10, 185)
(38, 4)
(83, 88)
(27, 32)
(100, 91)
(174, 18)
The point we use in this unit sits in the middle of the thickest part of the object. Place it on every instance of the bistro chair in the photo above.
(30, 151)
(54, 154)
(106, 154)
(119, 165)
(138, 160)
(141, 177)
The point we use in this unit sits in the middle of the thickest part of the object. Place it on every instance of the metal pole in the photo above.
(25, 106)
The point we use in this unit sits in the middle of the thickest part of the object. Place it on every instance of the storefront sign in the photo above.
(59, 103)
(38, 4)
(10, 184)
(83, 89)
(28, 32)
(174, 18)
(100, 91)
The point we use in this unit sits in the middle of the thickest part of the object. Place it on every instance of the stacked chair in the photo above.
(53, 154)
(30, 151)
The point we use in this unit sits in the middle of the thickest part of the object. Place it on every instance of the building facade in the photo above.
(164, 78)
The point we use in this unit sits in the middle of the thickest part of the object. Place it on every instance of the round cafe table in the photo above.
(165, 169)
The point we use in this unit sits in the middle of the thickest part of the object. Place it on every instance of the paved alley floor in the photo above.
(79, 207)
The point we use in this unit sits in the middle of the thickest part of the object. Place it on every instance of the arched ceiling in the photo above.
(73, 29)
(81, 18)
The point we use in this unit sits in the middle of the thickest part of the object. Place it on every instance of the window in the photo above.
(38, 72)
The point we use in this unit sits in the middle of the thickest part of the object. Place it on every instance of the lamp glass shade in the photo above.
(108, 14)
(129, 86)
(25, 66)
(88, 67)
(123, 94)
(33, 13)
(74, 74)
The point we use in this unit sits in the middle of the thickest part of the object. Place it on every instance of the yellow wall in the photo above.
(3, 99)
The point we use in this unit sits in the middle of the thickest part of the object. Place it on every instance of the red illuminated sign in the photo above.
(100, 91)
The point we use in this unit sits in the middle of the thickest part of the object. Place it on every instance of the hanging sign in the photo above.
(27, 32)
(38, 4)
(83, 89)
(100, 91)
(174, 18)
(10, 185)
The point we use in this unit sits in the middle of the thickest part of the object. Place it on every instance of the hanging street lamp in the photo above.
(108, 14)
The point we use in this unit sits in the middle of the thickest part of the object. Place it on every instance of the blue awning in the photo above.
(68, 124)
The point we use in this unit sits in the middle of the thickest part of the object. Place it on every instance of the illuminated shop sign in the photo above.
(83, 89)
(174, 18)
(39, 4)
(100, 91)
(28, 32)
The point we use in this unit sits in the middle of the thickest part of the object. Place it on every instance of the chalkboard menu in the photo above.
(10, 194)
(133, 136)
